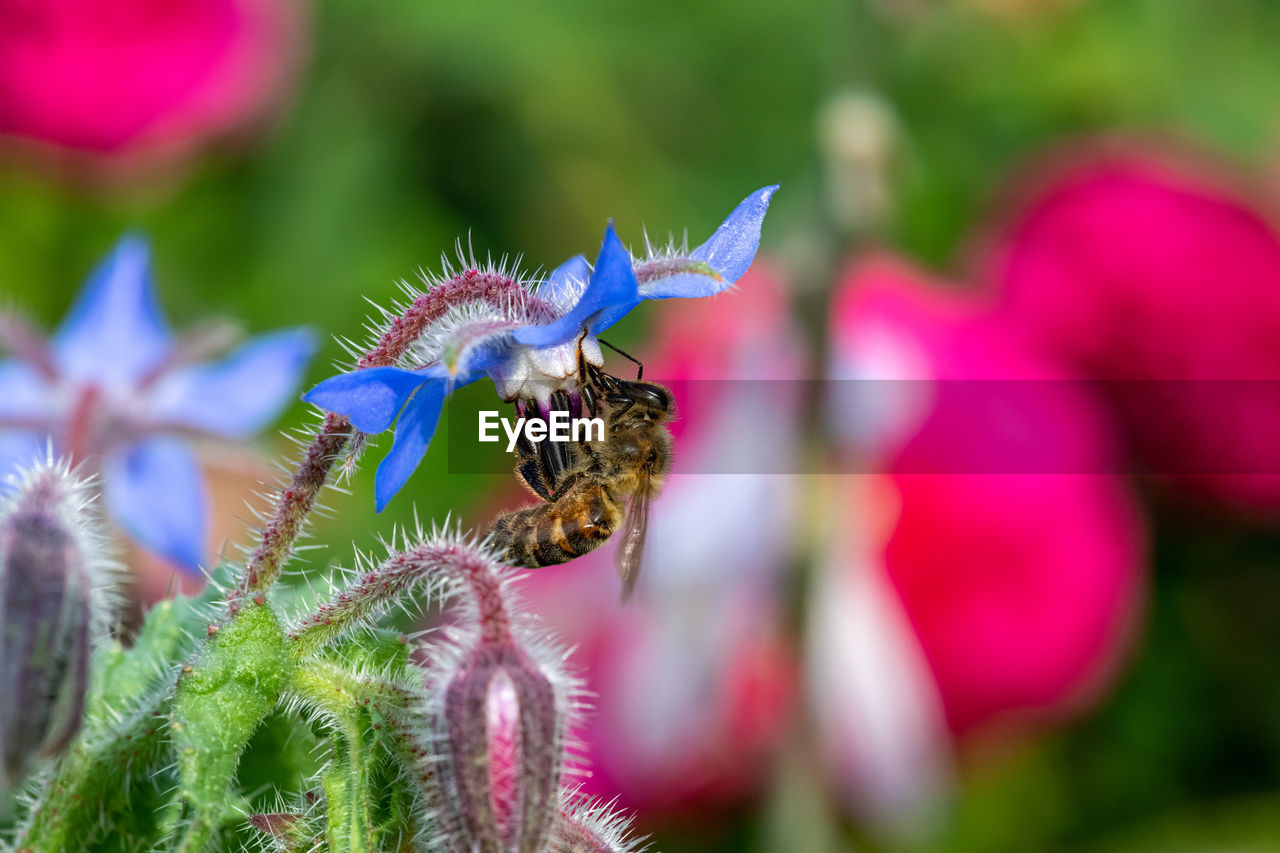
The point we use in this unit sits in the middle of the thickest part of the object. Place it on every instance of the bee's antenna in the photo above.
(628, 357)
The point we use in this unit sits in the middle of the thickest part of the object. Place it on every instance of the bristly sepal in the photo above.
(587, 825)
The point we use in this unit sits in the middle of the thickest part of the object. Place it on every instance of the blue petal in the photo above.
(115, 331)
(413, 433)
(23, 392)
(23, 396)
(154, 490)
(19, 450)
(729, 252)
(244, 392)
(611, 293)
(370, 398)
(565, 278)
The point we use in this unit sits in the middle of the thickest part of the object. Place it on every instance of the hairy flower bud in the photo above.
(53, 608)
(504, 730)
(497, 704)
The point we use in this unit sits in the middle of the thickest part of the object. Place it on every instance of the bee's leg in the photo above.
(588, 381)
(582, 522)
(555, 454)
(560, 402)
(525, 449)
(531, 472)
(586, 372)
(529, 466)
(628, 357)
(589, 397)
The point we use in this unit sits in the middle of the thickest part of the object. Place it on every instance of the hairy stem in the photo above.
(298, 497)
(340, 695)
(349, 826)
(92, 781)
(222, 698)
(196, 836)
(293, 506)
(125, 734)
(419, 573)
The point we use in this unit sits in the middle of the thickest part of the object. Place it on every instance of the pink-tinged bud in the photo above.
(505, 739)
(499, 704)
(506, 744)
(53, 607)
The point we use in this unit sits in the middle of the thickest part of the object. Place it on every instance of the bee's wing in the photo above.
(631, 544)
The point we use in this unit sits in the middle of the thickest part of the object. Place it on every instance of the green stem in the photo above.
(221, 700)
(124, 736)
(369, 712)
(340, 694)
(92, 782)
(349, 825)
(197, 837)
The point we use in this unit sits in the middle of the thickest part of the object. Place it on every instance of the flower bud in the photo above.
(504, 732)
(497, 705)
(52, 610)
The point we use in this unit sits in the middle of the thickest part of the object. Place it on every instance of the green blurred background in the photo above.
(524, 127)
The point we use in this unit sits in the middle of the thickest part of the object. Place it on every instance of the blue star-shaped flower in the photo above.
(529, 345)
(116, 392)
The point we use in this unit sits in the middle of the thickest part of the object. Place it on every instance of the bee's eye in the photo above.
(656, 396)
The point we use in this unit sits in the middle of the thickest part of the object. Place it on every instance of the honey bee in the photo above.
(584, 488)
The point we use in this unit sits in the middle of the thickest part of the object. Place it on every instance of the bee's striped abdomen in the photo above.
(553, 533)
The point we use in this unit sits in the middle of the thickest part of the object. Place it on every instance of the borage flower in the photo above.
(530, 340)
(115, 392)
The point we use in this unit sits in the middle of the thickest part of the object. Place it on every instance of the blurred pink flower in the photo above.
(693, 679)
(1134, 266)
(129, 76)
(988, 572)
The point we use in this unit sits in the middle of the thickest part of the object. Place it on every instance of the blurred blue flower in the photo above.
(114, 390)
(529, 346)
